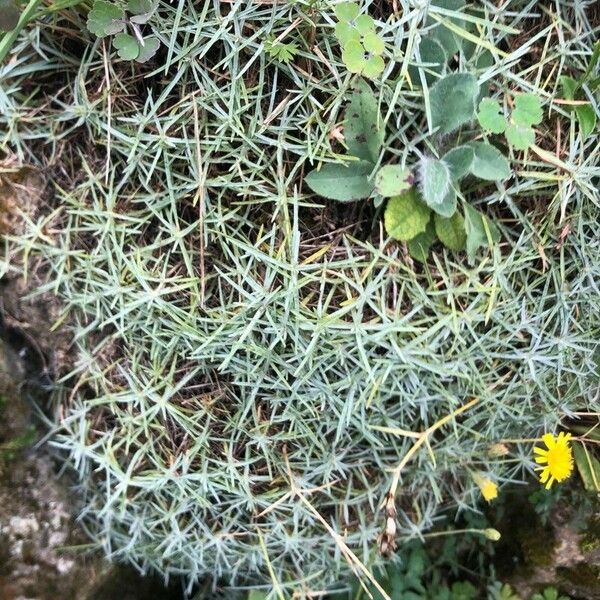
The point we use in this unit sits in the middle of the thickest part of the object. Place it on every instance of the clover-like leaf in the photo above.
(346, 32)
(363, 127)
(127, 46)
(451, 231)
(392, 180)
(519, 136)
(434, 180)
(420, 245)
(347, 11)
(9, 15)
(344, 183)
(491, 117)
(353, 56)
(452, 101)
(364, 24)
(148, 49)
(488, 162)
(144, 15)
(527, 110)
(481, 232)
(406, 216)
(105, 18)
(459, 161)
(373, 43)
(373, 67)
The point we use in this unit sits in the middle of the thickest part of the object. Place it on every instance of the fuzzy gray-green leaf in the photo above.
(434, 180)
(459, 161)
(453, 101)
(488, 162)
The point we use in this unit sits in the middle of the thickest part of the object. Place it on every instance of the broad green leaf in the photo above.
(392, 180)
(344, 183)
(588, 466)
(586, 115)
(527, 110)
(373, 67)
(481, 232)
(520, 137)
(420, 245)
(452, 101)
(105, 18)
(373, 43)
(448, 205)
(434, 59)
(142, 9)
(127, 46)
(447, 38)
(488, 162)
(364, 24)
(435, 180)
(490, 116)
(148, 50)
(406, 216)
(451, 231)
(363, 128)
(345, 32)
(459, 161)
(347, 11)
(353, 56)
(9, 15)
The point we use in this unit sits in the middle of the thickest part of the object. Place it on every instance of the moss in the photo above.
(590, 539)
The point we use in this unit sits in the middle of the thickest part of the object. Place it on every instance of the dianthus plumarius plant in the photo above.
(253, 363)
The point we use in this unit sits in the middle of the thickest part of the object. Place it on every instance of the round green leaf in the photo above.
(373, 43)
(420, 245)
(451, 231)
(406, 216)
(527, 110)
(345, 32)
(127, 46)
(519, 136)
(364, 24)
(347, 11)
(353, 56)
(373, 67)
(459, 161)
(490, 116)
(392, 180)
(105, 18)
(488, 162)
(148, 50)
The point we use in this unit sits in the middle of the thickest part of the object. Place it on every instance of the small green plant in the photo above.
(282, 53)
(549, 593)
(362, 48)
(109, 18)
(518, 129)
(418, 214)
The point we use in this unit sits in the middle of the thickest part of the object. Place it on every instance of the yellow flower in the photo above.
(489, 490)
(558, 458)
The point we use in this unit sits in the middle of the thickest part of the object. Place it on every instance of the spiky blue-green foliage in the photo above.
(235, 340)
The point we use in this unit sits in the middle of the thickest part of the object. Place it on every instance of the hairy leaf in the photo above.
(362, 124)
(434, 180)
(488, 162)
(342, 182)
(453, 101)
(459, 161)
(406, 216)
(433, 54)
